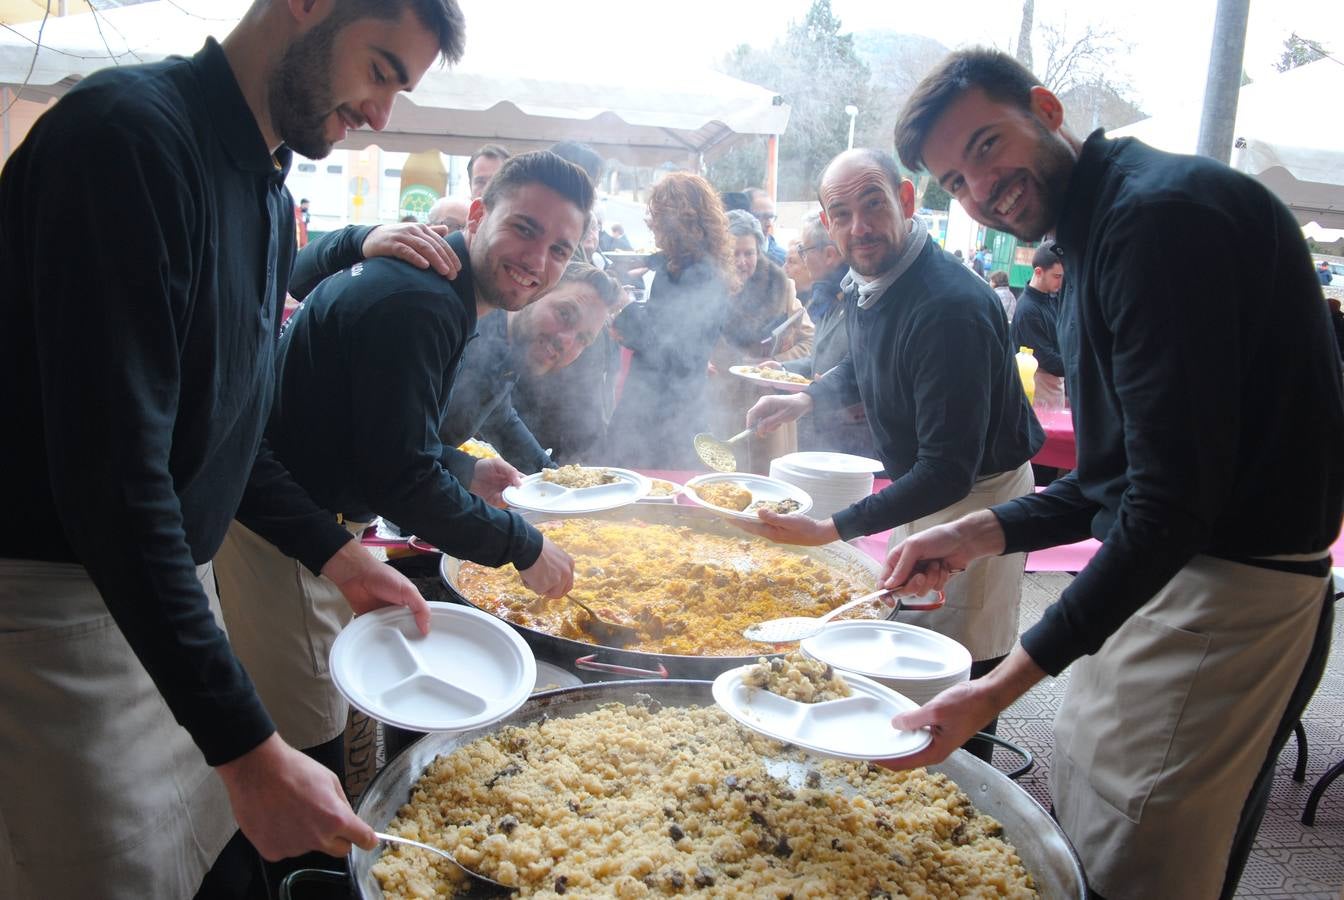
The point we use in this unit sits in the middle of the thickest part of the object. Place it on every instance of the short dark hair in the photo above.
(608, 289)
(442, 16)
(998, 278)
(883, 161)
(545, 168)
(1002, 78)
(581, 155)
(735, 200)
(489, 151)
(1045, 257)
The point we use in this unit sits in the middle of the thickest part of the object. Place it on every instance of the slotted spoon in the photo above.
(716, 453)
(471, 873)
(798, 628)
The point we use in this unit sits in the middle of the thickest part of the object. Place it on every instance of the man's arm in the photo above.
(325, 256)
(420, 245)
(507, 431)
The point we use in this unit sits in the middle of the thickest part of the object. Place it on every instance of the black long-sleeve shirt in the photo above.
(138, 364)
(1207, 400)
(365, 371)
(1035, 323)
(938, 380)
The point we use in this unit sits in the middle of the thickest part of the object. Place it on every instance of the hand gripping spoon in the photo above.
(797, 628)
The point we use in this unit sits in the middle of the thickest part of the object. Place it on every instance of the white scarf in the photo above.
(872, 289)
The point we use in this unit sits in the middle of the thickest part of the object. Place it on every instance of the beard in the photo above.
(1052, 167)
(490, 279)
(299, 95)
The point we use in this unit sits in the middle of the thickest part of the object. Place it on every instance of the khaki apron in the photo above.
(102, 793)
(1049, 391)
(1162, 732)
(282, 620)
(982, 602)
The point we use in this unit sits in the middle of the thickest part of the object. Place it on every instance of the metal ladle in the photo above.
(719, 455)
(606, 631)
(471, 873)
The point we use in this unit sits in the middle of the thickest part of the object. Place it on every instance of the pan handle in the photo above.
(1028, 761)
(314, 876)
(919, 607)
(589, 663)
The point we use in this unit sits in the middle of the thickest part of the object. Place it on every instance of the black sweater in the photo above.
(938, 380)
(1206, 399)
(1035, 326)
(138, 365)
(365, 371)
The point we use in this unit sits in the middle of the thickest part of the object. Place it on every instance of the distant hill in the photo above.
(897, 62)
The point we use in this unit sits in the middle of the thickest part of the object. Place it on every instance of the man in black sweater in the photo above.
(364, 376)
(137, 383)
(929, 359)
(1034, 325)
(1199, 630)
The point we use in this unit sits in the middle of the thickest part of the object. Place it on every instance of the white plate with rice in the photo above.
(536, 494)
(761, 488)
(854, 727)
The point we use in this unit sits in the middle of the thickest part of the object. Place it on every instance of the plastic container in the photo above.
(1026, 368)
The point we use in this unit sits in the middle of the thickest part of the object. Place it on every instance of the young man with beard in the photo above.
(139, 376)
(930, 361)
(364, 374)
(1199, 630)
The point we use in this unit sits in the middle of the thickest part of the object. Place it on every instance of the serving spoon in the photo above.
(798, 628)
(606, 631)
(471, 873)
(718, 455)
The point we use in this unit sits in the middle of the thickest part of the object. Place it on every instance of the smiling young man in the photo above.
(1199, 630)
(364, 374)
(930, 361)
(140, 376)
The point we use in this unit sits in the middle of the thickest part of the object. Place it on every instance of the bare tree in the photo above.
(1298, 51)
(1071, 62)
(1024, 34)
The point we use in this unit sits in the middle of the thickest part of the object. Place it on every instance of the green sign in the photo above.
(416, 199)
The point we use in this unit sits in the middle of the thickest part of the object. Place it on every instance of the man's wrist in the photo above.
(347, 562)
(981, 531)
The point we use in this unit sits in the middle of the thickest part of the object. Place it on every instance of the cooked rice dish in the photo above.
(663, 488)
(783, 507)
(653, 801)
(686, 591)
(776, 375)
(725, 494)
(797, 677)
(575, 476)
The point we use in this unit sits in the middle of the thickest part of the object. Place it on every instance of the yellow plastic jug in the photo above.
(1026, 368)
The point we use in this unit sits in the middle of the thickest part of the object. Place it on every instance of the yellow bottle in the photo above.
(1026, 368)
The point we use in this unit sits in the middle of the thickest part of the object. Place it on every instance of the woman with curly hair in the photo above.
(765, 299)
(662, 404)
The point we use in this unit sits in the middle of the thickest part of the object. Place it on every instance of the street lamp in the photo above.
(851, 110)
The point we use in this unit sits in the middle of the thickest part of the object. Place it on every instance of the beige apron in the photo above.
(102, 793)
(1162, 732)
(282, 620)
(1049, 391)
(982, 602)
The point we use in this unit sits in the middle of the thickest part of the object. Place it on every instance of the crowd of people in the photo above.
(191, 477)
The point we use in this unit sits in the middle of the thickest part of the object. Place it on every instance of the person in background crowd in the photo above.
(1036, 322)
(583, 156)
(763, 208)
(450, 212)
(1199, 630)
(482, 166)
(978, 262)
(1337, 324)
(393, 335)
(844, 428)
(301, 219)
(154, 357)
(998, 280)
(619, 241)
(764, 300)
(797, 271)
(662, 404)
(929, 358)
(1323, 272)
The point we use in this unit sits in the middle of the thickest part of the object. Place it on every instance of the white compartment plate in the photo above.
(536, 495)
(472, 668)
(761, 487)
(820, 463)
(744, 371)
(856, 727)
(651, 497)
(895, 650)
(551, 677)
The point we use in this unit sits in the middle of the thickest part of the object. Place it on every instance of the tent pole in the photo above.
(772, 166)
(1221, 90)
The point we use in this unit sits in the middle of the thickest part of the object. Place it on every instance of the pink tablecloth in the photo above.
(1059, 449)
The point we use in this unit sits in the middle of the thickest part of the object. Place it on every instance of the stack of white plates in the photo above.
(913, 661)
(832, 480)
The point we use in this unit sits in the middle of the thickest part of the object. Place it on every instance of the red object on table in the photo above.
(1059, 449)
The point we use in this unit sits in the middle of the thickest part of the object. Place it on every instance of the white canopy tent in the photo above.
(525, 87)
(1287, 135)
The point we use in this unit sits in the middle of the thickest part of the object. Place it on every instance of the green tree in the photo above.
(935, 197)
(816, 70)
